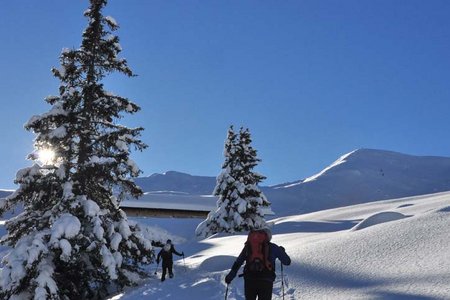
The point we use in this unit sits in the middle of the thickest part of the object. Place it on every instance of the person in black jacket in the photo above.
(167, 259)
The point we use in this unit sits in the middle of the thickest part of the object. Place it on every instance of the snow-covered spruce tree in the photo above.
(72, 241)
(220, 220)
(240, 200)
(256, 200)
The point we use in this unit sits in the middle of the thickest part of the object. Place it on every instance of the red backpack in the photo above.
(258, 247)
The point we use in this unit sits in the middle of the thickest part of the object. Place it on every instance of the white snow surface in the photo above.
(401, 253)
(170, 201)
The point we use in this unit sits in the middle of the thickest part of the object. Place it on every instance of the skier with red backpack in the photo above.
(259, 255)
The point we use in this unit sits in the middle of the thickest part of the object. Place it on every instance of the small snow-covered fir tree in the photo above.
(240, 203)
(72, 241)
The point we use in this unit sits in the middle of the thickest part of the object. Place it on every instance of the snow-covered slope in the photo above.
(391, 249)
(354, 252)
(361, 176)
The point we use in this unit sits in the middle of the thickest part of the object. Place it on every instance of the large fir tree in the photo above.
(72, 241)
(240, 203)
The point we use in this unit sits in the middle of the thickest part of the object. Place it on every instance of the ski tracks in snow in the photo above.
(289, 292)
(194, 284)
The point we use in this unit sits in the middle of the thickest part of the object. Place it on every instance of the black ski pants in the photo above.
(166, 267)
(258, 288)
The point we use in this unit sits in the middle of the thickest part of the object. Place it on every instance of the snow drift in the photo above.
(378, 218)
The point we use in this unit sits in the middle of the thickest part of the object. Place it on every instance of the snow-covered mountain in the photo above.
(173, 181)
(5, 193)
(360, 176)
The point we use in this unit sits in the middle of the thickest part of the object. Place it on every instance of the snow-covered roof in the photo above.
(172, 201)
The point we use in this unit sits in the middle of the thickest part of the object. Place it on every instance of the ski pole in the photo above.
(156, 268)
(226, 293)
(282, 280)
(184, 263)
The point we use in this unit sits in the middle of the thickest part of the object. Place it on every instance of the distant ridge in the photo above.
(360, 176)
(5, 193)
(363, 175)
(173, 181)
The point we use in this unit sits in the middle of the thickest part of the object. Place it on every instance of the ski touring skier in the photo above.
(166, 254)
(259, 255)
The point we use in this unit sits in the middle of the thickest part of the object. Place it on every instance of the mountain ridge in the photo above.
(360, 176)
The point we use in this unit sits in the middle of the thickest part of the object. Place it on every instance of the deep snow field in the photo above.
(392, 249)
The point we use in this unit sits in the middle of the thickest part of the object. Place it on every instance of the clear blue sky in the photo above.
(311, 79)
